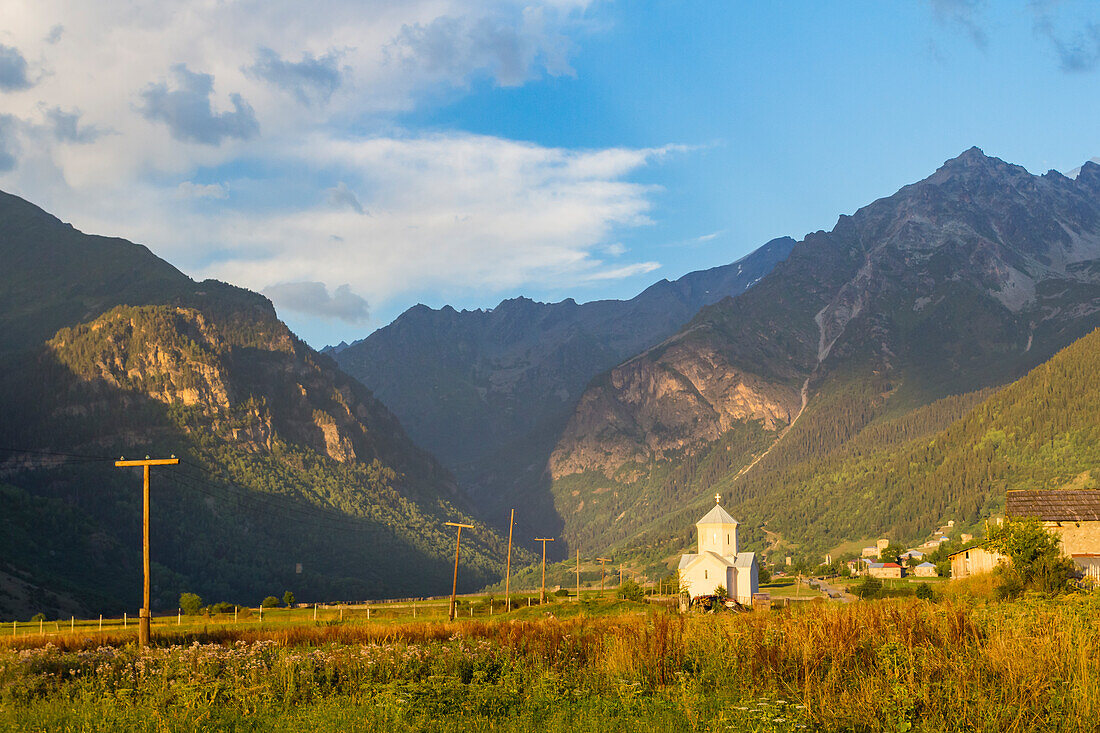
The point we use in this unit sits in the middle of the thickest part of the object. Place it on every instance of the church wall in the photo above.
(748, 583)
(702, 578)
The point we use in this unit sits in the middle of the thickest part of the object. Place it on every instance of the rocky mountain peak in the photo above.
(972, 165)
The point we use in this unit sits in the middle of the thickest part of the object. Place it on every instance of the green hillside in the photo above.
(107, 351)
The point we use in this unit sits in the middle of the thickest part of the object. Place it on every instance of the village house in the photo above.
(974, 561)
(925, 570)
(1072, 514)
(718, 563)
(883, 570)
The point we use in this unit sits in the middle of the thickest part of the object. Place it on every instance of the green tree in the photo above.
(868, 588)
(631, 591)
(190, 603)
(288, 599)
(270, 602)
(38, 617)
(763, 574)
(1037, 560)
(924, 591)
(892, 552)
(721, 593)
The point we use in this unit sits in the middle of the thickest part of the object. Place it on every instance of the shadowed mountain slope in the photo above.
(107, 350)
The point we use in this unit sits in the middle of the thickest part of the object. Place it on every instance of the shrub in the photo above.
(631, 591)
(868, 587)
(270, 602)
(222, 607)
(190, 603)
(924, 591)
(561, 593)
(1037, 560)
(38, 617)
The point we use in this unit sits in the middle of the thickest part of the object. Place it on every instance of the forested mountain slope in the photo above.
(957, 283)
(107, 350)
(488, 392)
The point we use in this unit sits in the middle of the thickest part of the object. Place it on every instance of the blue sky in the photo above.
(360, 158)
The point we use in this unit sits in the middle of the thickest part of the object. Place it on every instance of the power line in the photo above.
(55, 453)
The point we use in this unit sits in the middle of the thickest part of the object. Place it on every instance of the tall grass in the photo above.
(887, 665)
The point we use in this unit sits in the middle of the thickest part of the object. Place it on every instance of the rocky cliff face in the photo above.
(489, 391)
(961, 281)
(107, 350)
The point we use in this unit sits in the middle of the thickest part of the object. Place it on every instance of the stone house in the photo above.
(925, 570)
(884, 570)
(1072, 514)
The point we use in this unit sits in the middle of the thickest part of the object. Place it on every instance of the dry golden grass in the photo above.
(885, 665)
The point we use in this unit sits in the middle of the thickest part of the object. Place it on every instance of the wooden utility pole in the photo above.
(508, 566)
(542, 592)
(603, 571)
(578, 575)
(143, 624)
(454, 585)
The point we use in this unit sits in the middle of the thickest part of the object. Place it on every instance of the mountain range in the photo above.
(294, 475)
(896, 321)
(904, 368)
(489, 391)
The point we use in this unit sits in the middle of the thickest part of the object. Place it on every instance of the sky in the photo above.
(350, 159)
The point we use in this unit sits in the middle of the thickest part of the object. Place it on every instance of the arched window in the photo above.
(704, 575)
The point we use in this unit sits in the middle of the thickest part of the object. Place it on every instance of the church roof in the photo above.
(730, 561)
(717, 515)
(744, 559)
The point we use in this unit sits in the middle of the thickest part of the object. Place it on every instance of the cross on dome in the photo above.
(717, 498)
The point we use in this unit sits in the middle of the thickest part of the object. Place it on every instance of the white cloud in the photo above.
(298, 120)
(313, 299)
(450, 213)
(618, 273)
(190, 190)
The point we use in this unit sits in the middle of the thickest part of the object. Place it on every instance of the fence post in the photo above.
(124, 619)
(72, 623)
(101, 622)
(368, 613)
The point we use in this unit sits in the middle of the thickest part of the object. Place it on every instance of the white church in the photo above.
(718, 563)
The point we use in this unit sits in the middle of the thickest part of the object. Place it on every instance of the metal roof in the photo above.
(717, 515)
(1066, 505)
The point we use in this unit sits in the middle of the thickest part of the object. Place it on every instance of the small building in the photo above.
(718, 563)
(882, 544)
(974, 561)
(883, 570)
(870, 552)
(915, 554)
(1072, 514)
(925, 570)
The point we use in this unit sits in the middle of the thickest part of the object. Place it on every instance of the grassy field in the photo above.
(434, 609)
(886, 665)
